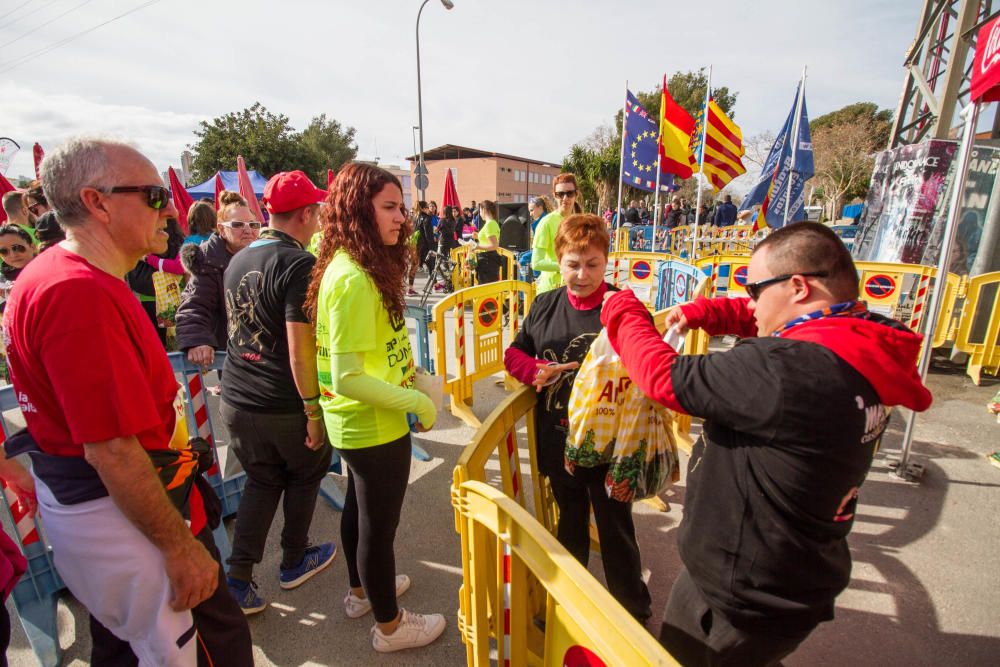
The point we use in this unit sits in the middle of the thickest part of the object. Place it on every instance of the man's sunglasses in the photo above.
(17, 247)
(33, 209)
(754, 289)
(157, 196)
(238, 224)
(564, 193)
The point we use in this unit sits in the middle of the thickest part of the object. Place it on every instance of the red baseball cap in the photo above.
(289, 190)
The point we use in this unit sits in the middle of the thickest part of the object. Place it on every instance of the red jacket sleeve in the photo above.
(648, 359)
(721, 316)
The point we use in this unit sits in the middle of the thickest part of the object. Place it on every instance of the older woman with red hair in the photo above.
(555, 338)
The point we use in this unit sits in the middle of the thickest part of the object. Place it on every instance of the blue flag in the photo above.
(642, 135)
(771, 191)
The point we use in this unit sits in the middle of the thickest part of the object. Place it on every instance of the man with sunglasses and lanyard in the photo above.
(107, 425)
(793, 415)
(270, 391)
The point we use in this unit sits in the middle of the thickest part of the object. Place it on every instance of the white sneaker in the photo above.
(356, 607)
(413, 631)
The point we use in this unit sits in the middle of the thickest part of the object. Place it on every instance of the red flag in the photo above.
(5, 187)
(330, 175)
(39, 155)
(676, 128)
(182, 200)
(246, 188)
(219, 187)
(450, 192)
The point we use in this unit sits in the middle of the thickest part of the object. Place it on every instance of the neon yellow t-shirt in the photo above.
(350, 318)
(543, 253)
(490, 228)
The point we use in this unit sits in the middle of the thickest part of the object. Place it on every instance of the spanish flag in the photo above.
(723, 148)
(676, 128)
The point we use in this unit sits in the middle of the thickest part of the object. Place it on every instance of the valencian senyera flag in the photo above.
(641, 141)
(676, 128)
(723, 147)
(771, 191)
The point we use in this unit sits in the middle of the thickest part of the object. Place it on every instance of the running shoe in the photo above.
(246, 596)
(413, 631)
(356, 607)
(411, 292)
(315, 560)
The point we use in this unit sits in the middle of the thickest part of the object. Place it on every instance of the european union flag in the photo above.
(642, 136)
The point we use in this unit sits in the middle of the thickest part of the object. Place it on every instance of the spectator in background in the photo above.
(725, 213)
(424, 231)
(448, 231)
(632, 216)
(34, 199)
(643, 212)
(17, 212)
(543, 246)
(537, 209)
(48, 231)
(675, 215)
(435, 219)
(201, 222)
(17, 248)
(201, 317)
(487, 242)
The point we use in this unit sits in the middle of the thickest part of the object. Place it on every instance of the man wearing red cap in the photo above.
(270, 394)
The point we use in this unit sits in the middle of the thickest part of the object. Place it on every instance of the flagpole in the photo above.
(701, 167)
(795, 143)
(656, 197)
(621, 165)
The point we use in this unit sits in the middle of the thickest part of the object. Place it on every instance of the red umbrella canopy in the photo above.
(450, 192)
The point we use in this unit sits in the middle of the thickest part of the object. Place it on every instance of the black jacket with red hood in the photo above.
(791, 425)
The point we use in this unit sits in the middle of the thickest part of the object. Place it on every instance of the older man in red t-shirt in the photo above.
(102, 404)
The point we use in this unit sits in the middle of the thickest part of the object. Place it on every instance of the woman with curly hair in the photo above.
(366, 374)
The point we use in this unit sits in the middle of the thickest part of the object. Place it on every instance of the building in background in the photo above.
(480, 175)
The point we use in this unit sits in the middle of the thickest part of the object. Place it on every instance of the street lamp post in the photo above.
(421, 170)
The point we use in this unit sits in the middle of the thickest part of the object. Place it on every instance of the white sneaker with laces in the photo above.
(413, 631)
(356, 607)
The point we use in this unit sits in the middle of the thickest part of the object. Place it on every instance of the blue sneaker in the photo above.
(246, 596)
(315, 560)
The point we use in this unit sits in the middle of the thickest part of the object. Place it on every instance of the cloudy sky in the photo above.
(523, 77)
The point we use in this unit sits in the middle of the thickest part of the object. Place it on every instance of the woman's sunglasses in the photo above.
(17, 247)
(564, 193)
(238, 224)
(33, 209)
(157, 196)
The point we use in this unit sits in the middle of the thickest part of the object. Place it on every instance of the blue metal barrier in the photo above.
(422, 316)
(36, 595)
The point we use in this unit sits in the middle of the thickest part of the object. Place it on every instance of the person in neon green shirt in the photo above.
(543, 245)
(487, 242)
(366, 371)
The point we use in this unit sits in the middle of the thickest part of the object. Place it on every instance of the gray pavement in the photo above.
(923, 588)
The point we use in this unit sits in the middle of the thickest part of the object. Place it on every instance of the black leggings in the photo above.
(376, 484)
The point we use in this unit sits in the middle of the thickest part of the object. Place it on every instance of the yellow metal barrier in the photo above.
(512, 556)
(488, 303)
(902, 292)
(463, 275)
(979, 330)
(729, 273)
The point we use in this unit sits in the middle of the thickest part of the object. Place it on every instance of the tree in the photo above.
(843, 159)
(270, 144)
(879, 122)
(330, 145)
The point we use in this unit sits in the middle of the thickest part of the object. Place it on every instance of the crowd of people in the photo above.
(308, 314)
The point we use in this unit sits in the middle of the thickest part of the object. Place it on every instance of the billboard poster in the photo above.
(975, 201)
(906, 197)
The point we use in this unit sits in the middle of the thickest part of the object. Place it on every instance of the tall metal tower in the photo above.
(938, 70)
